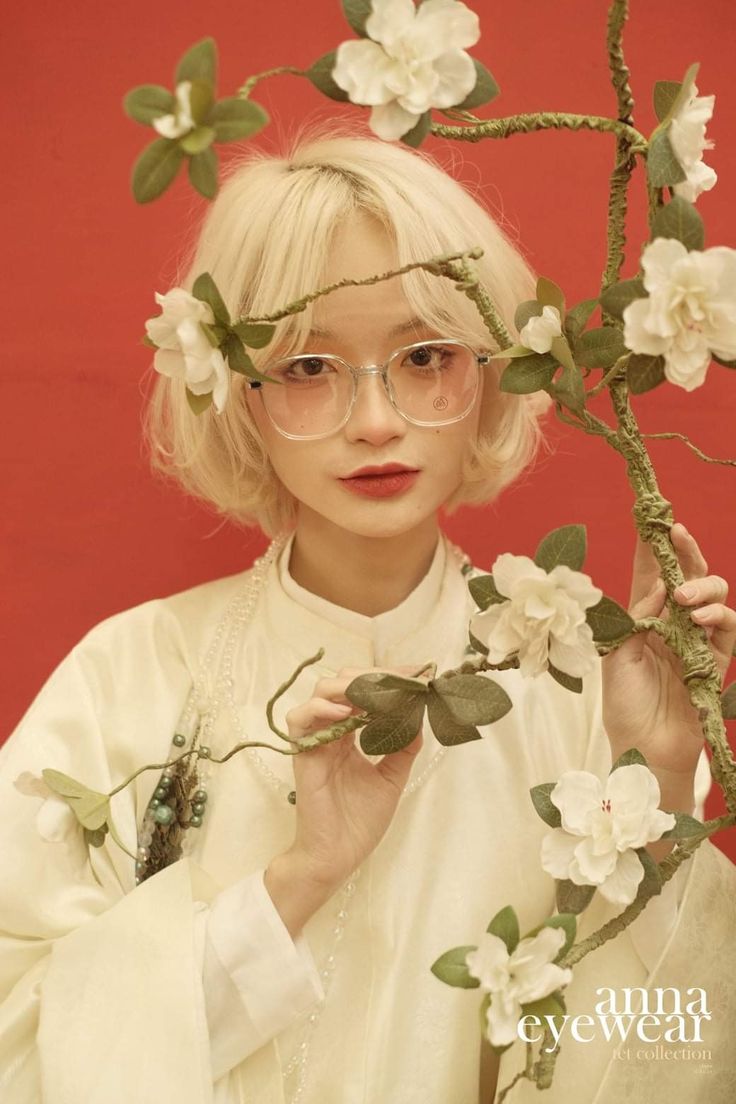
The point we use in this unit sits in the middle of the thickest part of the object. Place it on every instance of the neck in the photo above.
(366, 574)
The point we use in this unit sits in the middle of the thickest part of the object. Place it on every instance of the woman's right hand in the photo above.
(344, 805)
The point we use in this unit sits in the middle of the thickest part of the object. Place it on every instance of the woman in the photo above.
(287, 954)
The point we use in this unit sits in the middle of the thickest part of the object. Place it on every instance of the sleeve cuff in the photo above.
(274, 976)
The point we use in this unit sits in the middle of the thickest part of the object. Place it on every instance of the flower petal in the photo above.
(502, 1017)
(391, 121)
(456, 78)
(443, 25)
(621, 885)
(489, 962)
(558, 851)
(577, 795)
(509, 570)
(362, 69)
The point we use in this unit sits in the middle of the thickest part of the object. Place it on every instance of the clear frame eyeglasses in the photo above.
(429, 383)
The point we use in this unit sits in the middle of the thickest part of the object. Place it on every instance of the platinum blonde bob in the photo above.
(265, 240)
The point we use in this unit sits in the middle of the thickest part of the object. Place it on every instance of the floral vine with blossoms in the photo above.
(542, 615)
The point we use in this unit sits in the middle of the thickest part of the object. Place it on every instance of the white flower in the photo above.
(688, 141)
(543, 619)
(181, 122)
(690, 312)
(55, 819)
(413, 60)
(184, 352)
(602, 825)
(540, 331)
(525, 975)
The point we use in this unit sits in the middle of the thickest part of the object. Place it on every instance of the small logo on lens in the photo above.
(440, 403)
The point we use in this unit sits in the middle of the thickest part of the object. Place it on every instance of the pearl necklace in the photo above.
(212, 689)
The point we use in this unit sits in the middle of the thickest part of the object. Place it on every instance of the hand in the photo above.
(345, 803)
(645, 702)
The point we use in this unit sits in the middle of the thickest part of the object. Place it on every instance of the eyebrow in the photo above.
(396, 331)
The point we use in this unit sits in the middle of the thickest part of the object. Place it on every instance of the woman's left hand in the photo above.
(645, 703)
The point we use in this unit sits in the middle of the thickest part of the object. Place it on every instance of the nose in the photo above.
(373, 417)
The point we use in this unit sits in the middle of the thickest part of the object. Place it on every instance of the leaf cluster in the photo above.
(225, 120)
(357, 13)
(90, 807)
(455, 704)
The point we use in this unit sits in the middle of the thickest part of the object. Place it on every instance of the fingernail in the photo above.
(687, 592)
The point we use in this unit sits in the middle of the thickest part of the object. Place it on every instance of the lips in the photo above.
(381, 481)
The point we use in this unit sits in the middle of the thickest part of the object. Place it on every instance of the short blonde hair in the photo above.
(265, 241)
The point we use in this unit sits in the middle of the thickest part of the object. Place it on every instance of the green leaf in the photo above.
(663, 168)
(155, 169)
(728, 702)
(505, 924)
(528, 374)
(199, 63)
(90, 807)
(566, 545)
(214, 334)
(616, 298)
(665, 94)
(568, 923)
(320, 74)
(233, 118)
(484, 591)
(552, 1006)
(530, 308)
(725, 363)
(392, 731)
(447, 730)
(632, 757)
(203, 173)
(562, 353)
(608, 620)
(569, 389)
(197, 140)
(199, 403)
(476, 645)
(472, 699)
(577, 318)
(685, 827)
(357, 13)
(484, 89)
(684, 93)
(201, 98)
(418, 132)
(148, 102)
(381, 693)
(570, 682)
(451, 968)
(549, 813)
(95, 838)
(651, 883)
(644, 372)
(550, 295)
(573, 898)
(240, 362)
(679, 219)
(513, 352)
(600, 348)
(256, 335)
(206, 290)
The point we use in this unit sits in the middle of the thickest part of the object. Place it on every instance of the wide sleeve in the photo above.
(111, 991)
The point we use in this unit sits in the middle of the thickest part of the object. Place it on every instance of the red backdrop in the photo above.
(86, 530)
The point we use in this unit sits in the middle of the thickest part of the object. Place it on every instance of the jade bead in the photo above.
(154, 802)
(164, 814)
(160, 791)
(198, 808)
(204, 752)
(195, 821)
(179, 740)
(200, 796)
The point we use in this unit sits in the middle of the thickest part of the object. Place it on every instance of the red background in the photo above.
(86, 530)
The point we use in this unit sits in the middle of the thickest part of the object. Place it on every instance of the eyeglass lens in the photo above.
(430, 384)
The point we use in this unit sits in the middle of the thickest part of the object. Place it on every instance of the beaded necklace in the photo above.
(179, 801)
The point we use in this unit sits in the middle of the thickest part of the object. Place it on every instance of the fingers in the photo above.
(315, 714)
(702, 591)
(692, 560)
(395, 768)
(719, 622)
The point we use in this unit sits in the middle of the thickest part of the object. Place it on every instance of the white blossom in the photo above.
(181, 121)
(184, 351)
(602, 825)
(541, 330)
(688, 141)
(525, 975)
(543, 620)
(690, 312)
(414, 59)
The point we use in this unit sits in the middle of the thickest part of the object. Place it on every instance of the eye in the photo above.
(433, 357)
(304, 369)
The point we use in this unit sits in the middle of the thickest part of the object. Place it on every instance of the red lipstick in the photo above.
(381, 481)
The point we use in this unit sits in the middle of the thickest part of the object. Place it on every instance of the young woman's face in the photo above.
(364, 326)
